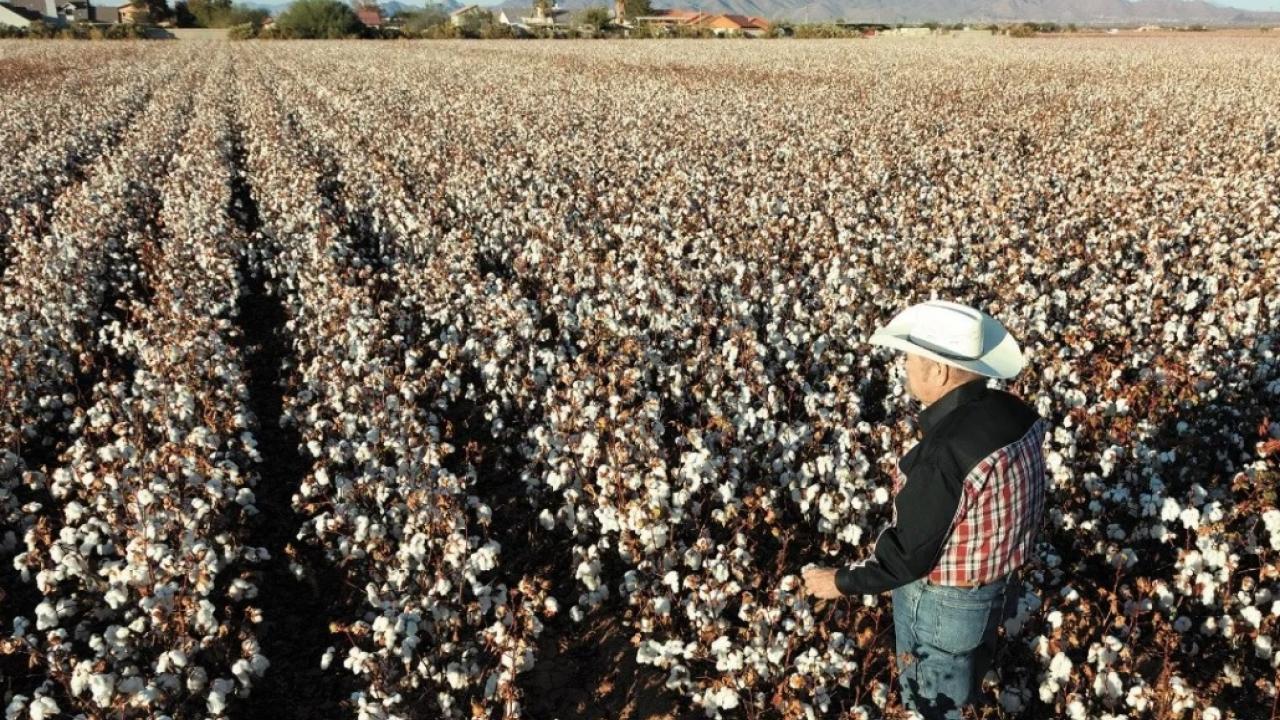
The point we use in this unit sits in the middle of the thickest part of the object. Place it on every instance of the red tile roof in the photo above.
(370, 16)
(742, 21)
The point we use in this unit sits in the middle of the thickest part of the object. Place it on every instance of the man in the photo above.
(968, 503)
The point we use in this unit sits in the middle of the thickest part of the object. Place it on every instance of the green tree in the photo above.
(157, 11)
(217, 14)
(596, 17)
(244, 31)
(183, 16)
(417, 21)
(473, 22)
(319, 19)
(637, 8)
(205, 13)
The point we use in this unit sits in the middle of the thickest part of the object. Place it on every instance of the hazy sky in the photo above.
(1252, 4)
(1273, 5)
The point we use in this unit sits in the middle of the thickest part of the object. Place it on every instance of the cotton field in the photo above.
(520, 380)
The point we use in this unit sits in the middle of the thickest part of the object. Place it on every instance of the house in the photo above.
(62, 12)
(547, 17)
(750, 26)
(863, 29)
(45, 10)
(666, 17)
(370, 16)
(133, 14)
(104, 14)
(14, 16)
(511, 17)
(459, 17)
(909, 32)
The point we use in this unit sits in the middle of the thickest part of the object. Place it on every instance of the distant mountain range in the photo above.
(1082, 12)
(388, 8)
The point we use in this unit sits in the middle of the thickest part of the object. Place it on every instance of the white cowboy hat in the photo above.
(954, 334)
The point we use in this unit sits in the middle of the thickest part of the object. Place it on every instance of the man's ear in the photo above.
(940, 371)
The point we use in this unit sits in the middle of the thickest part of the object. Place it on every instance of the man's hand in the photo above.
(821, 583)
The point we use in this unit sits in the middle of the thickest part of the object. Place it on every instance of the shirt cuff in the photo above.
(845, 581)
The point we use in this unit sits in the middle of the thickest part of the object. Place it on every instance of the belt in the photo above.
(927, 581)
(969, 585)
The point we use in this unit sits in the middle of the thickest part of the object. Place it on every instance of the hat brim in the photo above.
(1003, 361)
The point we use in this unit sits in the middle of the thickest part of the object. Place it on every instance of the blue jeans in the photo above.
(946, 638)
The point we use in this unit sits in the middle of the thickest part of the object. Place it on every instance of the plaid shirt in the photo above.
(996, 523)
(968, 498)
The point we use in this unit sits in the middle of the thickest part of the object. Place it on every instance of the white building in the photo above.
(908, 32)
(457, 17)
(555, 17)
(16, 17)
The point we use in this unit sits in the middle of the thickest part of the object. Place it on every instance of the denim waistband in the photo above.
(1002, 579)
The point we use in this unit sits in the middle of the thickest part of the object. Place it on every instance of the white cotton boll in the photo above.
(486, 558)
(1253, 616)
(1262, 647)
(327, 658)
(217, 699)
(1211, 713)
(240, 669)
(546, 519)
(116, 597)
(1271, 518)
(1108, 685)
(1170, 510)
(1137, 698)
(721, 645)
(103, 688)
(197, 679)
(721, 698)
(242, 589)
(1047, 690)
(1060, 667)
(672, 580)
(456, 678)
(43, 708)
(46, 616)
(1190, 518)
(1055, 619)
(588, 573)
(17, 705)
(130, 687)
(80, 677)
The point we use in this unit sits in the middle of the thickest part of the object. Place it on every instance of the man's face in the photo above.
(920, 377)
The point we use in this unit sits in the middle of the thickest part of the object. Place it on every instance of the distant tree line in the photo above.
(216, 14)
(39, 30)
